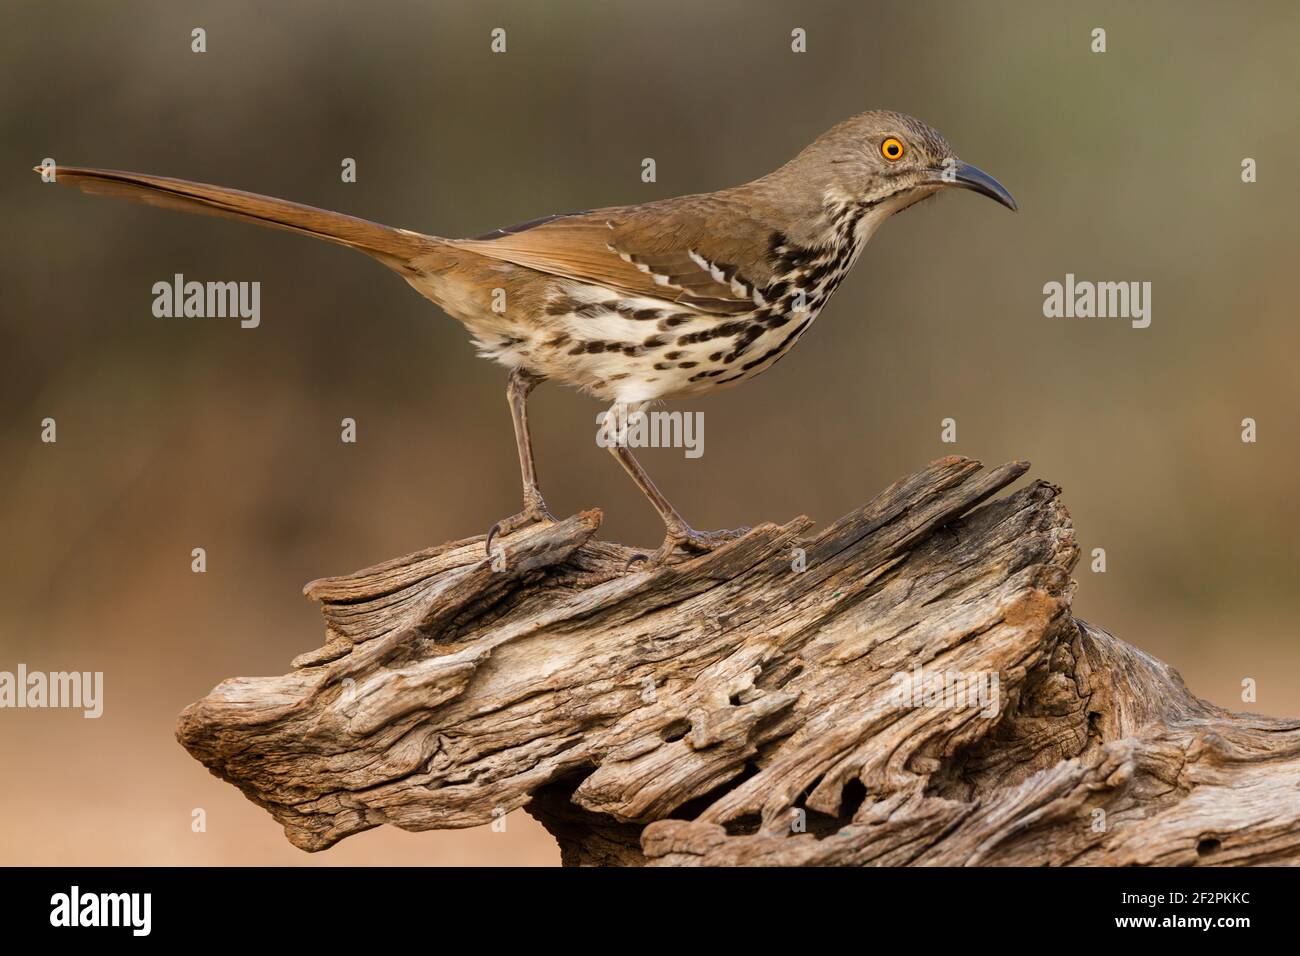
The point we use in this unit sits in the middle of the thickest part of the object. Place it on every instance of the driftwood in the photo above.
(753, 705)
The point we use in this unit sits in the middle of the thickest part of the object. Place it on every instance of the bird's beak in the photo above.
(972, 177)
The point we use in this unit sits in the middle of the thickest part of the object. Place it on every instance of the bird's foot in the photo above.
(534, 512)
(686, 538)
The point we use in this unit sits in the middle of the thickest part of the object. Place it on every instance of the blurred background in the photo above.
(175, 434)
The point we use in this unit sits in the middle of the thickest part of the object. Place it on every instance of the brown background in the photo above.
(176, 434)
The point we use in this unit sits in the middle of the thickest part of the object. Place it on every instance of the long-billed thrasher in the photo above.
(636, 303)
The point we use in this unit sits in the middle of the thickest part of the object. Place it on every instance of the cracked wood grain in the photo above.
(742, 708)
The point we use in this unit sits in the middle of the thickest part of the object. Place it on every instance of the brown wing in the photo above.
(705, 252)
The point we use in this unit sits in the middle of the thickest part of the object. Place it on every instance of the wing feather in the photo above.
(665, 251)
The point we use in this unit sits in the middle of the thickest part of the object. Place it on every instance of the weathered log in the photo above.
(907, 686)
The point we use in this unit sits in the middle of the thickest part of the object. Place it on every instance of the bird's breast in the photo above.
(628, 348)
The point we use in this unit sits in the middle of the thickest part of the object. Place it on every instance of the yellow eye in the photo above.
(892, 149)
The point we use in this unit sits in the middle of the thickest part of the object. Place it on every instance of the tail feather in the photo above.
(393, 246)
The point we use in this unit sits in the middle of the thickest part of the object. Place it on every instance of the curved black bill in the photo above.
(972, 177)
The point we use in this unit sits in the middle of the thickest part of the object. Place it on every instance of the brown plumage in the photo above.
(635, 303)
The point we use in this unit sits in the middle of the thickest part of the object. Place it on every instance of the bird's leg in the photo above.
(678, 531)
(519, 385)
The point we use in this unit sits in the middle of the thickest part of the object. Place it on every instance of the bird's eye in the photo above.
(892, 149)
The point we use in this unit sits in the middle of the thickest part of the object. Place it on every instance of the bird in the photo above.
(639, 303)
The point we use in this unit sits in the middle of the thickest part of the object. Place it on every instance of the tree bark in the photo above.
(906, 687)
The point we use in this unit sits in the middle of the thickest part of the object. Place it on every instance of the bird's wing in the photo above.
(699, 251)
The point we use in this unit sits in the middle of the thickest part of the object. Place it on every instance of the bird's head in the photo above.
(892, 160)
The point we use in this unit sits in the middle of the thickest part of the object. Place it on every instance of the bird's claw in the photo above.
(532, 514)
(701, 542)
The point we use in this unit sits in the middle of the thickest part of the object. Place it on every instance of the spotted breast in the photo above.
(692, 323)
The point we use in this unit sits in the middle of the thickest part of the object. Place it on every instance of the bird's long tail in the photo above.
(393, 247)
